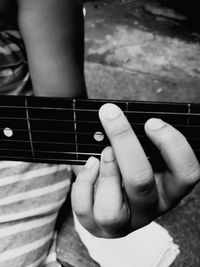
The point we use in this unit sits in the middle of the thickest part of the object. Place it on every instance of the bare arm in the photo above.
(53, 33)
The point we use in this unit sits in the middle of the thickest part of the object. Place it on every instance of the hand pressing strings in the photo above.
(101, 206)
(121, 193)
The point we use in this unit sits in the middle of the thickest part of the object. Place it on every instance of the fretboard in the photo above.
(68, 131)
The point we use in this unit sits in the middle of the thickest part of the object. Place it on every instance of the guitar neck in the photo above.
(68, 131)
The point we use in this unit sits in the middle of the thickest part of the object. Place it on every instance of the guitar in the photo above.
(68, 131)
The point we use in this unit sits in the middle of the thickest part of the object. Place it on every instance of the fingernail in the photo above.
(155, 124)
(110, 111)
(108, 154)
(90, 162)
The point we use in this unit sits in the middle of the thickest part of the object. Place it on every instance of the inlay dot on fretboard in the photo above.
(99, 136)
(8, 132)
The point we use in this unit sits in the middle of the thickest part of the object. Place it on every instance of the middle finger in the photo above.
(135, 168)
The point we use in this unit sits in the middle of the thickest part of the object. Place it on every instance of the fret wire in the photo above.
(188, 118)
(29, 128)
(126, 112)
(75, 125)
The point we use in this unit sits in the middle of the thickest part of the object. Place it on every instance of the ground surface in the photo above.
(144, 50)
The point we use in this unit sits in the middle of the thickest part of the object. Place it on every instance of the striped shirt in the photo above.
(30, 194)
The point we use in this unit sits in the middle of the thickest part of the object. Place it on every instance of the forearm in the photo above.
(53, 33)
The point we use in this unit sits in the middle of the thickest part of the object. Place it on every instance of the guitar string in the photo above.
(80, 135)
(40, 102)
(93, 121)
(97, 110)
(71, 144)
(66, 152)
(67, 155)
(52, 160)
(56, 152)
(52, 153)
(29, 159)
(126, 113)
(80, 131)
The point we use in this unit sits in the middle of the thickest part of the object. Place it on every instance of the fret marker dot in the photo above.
(99, 136)
(8, 132)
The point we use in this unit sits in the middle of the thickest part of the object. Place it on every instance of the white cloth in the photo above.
(150, 246)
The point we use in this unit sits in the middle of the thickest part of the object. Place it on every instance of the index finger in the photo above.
(135, 168)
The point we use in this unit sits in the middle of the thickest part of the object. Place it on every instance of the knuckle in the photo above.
(80, 210)
(143, 180)
(193, 176)
(107, 217)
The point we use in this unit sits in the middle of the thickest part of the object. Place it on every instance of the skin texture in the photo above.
(53, 34)
(121, 193)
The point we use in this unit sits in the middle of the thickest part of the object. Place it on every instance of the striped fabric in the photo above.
(13, 64)
(30, 194)
(30, 198)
